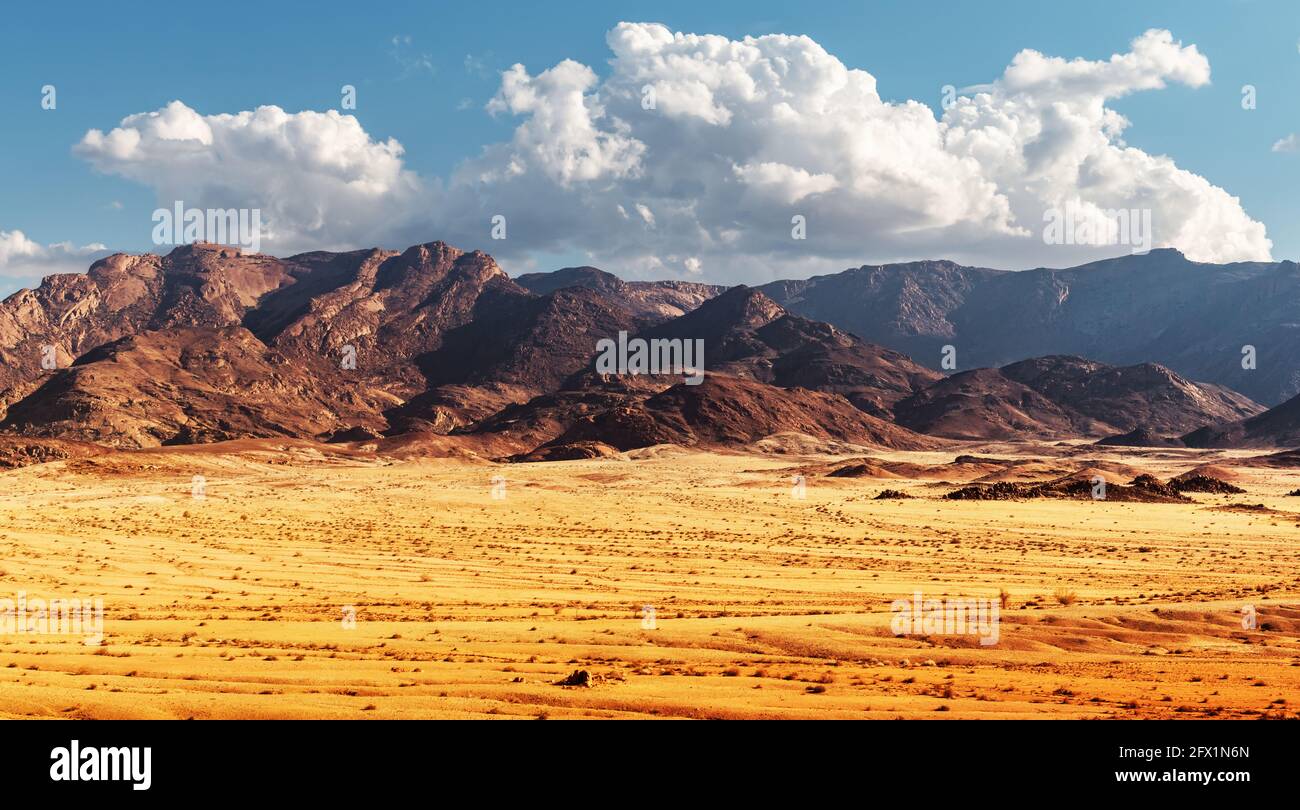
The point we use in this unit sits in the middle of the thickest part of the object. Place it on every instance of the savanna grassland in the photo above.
(238, 603)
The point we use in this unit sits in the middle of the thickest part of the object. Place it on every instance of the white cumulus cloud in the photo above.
(319, 179)
(743, 134)
(695, 151)
(27, 261)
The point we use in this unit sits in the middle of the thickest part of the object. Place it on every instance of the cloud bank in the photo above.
(27, 261)
(693, 155)
(319, 179)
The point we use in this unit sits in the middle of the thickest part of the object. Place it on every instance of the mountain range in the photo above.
(207, 344)
(1158, 307)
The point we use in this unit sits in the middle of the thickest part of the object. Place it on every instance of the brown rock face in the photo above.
(652, 299)
(767, 372)
(985, 404)
(1158, 307)
(187, 385)
(1276, 427)
(732, 411)
(121, 295)
(1146, 395)
(1060, 396)
(208, 344)
(748, 335)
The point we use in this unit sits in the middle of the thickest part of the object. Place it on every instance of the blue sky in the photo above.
(428, 89)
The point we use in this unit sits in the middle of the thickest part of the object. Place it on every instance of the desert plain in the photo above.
(303, 580)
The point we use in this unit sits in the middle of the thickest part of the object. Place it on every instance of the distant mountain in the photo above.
(748, 335)
(654, 299)
(1146, 395)
(1276, 427)
(1061, 396)
(733, 411)
(184, 385)
(1157, 307)
(70, 314)
(207, 344)
(1140, 437)
(514, 347)
(768, 372)
(986, 404)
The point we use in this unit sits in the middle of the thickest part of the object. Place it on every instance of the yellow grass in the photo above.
(765, 605)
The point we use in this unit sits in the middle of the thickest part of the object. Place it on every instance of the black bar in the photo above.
(304, 759)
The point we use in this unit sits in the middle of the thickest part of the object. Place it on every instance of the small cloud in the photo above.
(1290, 143)
(411, 61)
(116, 205)
(27, 260)
(465, 104)
(478, 65)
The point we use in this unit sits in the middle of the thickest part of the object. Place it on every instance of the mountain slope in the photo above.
(121, 295)
(650, 299)
(1146, 395)
(1157, 307)
(748, 335)
(189, 384)
(207, 343)
(1276, 427)
(733, 411)
(985, 404)
(1062, 396)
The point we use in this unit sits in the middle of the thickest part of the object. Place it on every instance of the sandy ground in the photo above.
(237, 604)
